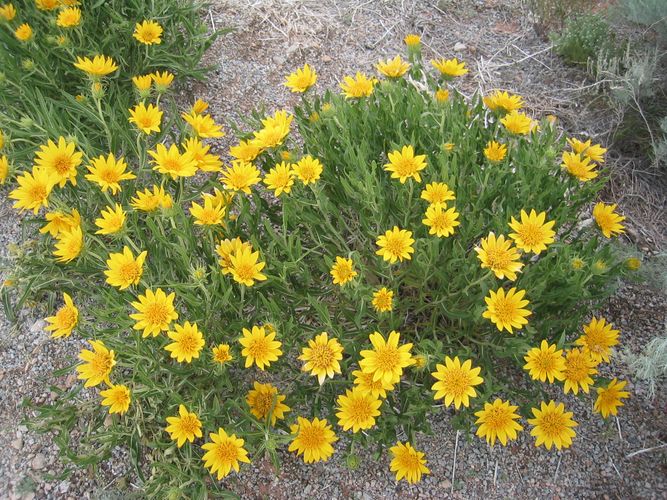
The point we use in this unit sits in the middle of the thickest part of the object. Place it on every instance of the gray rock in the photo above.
(38, 462)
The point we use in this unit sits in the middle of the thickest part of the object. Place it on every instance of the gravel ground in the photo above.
(338, 37)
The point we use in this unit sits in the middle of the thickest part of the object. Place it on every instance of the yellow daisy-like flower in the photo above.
(441, 220)
(143, 83)
(220, 198)
(117, 398)
(146, 118)
(322, 357)
(308, 169)
(4, 168)
(498, 255)
(387, 359)
(69, 245)
(187, 343)
(533, 233)
(280, 178)
(498, 421)
(456, 381)
(301, 80)
(199, 106)
(312, 439)
(7, 12)
(148, 201)
(404, 164)
(224, 453)
(226, 248)
(155, 312)
(264, 400)
(610, 398)
(148, 32)
(633, 263)
(112, 220)
(245, 151)
(579, 366)
(123, 269)
(210, 214)
(96, 67)
(545, 362)
(185, 427)
(65, 319)
(607, 220)
(203, 125)
(407, 463)
(222, 354)
(271, 136)
(552, 426)
(437, 193)
(69, 17)
(240, 176)
(245, 267)
(593, 152)
(357, 87)
(383, 300)
(33, 190)
(59, 222)
(598, 339)
(495, 152)
(342, 271)
(47, 4)
(579, 167)
(162, 81)
(450, 67)
(200, 152)
(97, 364)
(172, 162)
(108, 172)
(365, 383)
(506, 310)
(357, 410)
(503, 101)
(393, 68)
(442, 95)
(395, 244)
(60, 160)
(412, 40)
(259, 347)
(517, 123)
(24, 33)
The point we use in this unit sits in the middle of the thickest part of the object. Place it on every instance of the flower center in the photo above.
(505, 310)
(188, 424)
(387, 359)
(259, 348)
(62, 164)
(38, 192)
(66, 317)
(157, 314)
(456, 383)
(102, 364)
(531, 234)
(172, 164)
(130, 272)
(226, 452)
(245, 270)
(406, 166)
(576, 368)
(546, 361)
(188, 343)
(312, 437)
(498, 258)
(322, 356)
(552, 424)
(395, 245)
(109, 176)
(360, 410)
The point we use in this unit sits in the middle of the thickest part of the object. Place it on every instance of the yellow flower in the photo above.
(187, 343)
(222, 354)
(552, 425)
(598, 339)
(441, 220)
(162, 81)
(143, 83)
(148, 201)
(593, 152)
(301, 80)
(357, 87)
(185, 427)
(203, 125)
(610, 398)
(533, 233)
(117, 398)
(633, 263)
(382, 300)
(357, 410)
(59, 222)
(507, 311)
(450, 67)
(60, 160)
(245, 266)
(545, 362)
(607, 220)
(312, 439)
(393, 68)
(437, 192)
(395, 244)
(412, 40)
(7, 12)
(146, 119)
(65, 319)
(172, 162)
(497, 421)
(386, 360)
(108, 172)
(577, 264)
(404, 164)
(69, 245)
(442, 95)
(503, 101)
(47, 4)
(498, 255)
(579, 167)
(69, 17)
(2, 139)
(259, 347)
(448, 146)
(245, 151)
(112, 220)
(240, 176)
(365, 382)
(280, 178)
(34, 189)
(264, 400)
(407, 463)
(342, 271)
(322, 356)
(155, 312)
(495, 152)
(24, 33)
(123, 270)
(456, 381)
(200, 152)
(308, 169)
(209, 214)
(517, 123)
(226, 248)
(579, 366)
(148, 32)
(224, 453)
(275, 129)
(199, 107)
(97, 67)
(220, 198)
(97, 364)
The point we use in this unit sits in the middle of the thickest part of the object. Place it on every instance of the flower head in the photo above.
(97, 364)
(322, 357)
(188, 342)
(123, 270)
(209, 214)
(143, 83)
(395, 244)
(608, 220)
(155, 312)
(226, 248)
(185, 427)
(60, 222)
(456, 381)
(172, 162)
(506, 310)
(96, 67)
(280, 178)
(579, 366)
(162, 81)
(4, 168)
(275, 129)
(24, 33)
(441, 220)
(495, 152)
(441, 95)
(517, 123)
(407, 463)
(342, 271)
(404, 164)
(33, 190)
(545, 362)
(579, 167)
(357, 409)
(245, 266)
(382, 299)
(264, 400)
(437, 193)
(387, 359)
(69, 17)
(65, 319)
(593, 152)
(146, 118)
(393, 68)
(200, 152)
(498, 421)
(69, 244)
(259, 347)
(148, 32)
(60, 160)
(112, 220)
(313, 439)
(245, 151)
(222, 354)
(610, 398)
(224, 453)
(203, 125)
(357, 87)
(240, 176)
(148, 200)
(117, 398)
(366, 383)
(7, 12)
(108, 172)
(308, 170)
(498, 255)
(503, 101)
(533, 233)
(552, 425)
(412, 40)
(598, 339)
(450, 68)
(301, 80)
